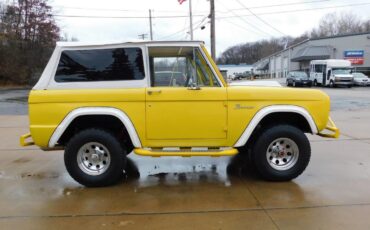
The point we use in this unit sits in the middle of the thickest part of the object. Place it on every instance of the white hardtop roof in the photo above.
(333, 62)
(138, 42)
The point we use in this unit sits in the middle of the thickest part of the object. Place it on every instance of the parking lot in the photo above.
(36, 191)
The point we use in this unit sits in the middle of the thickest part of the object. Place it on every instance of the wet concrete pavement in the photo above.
(36, 192)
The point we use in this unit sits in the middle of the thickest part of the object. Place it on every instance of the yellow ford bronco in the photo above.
(100, 102)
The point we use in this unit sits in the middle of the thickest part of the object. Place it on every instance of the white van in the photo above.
(331, 72)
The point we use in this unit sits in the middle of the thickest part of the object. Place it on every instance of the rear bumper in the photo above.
(23, 140)
(332, 128)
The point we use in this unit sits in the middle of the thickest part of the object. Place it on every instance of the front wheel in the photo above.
(281, 153)
(95, 158)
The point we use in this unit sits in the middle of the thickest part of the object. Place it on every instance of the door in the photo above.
(185, 100)
(318, 73)
(324, 74)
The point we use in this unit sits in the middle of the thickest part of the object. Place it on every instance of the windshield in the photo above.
(299, 74)
(359, 75)
(342, 70)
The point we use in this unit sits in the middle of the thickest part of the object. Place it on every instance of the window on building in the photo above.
(100, 65)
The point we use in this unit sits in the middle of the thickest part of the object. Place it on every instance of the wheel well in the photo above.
(288, 118)
(106, 122)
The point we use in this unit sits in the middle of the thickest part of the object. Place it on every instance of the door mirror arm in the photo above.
(194, 86)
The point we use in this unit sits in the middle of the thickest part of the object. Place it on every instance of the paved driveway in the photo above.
(194, 193)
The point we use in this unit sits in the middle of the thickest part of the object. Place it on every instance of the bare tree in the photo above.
(251, 52)
(334, 24)
(366, 26)
(27, 34)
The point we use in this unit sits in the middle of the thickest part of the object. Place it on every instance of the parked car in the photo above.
(99, 103)
(360, 79)
(298, 78)
(234, 77)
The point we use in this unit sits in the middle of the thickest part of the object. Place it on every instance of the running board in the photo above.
(186, 152)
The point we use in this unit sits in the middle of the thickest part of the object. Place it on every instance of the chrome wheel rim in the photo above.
(282, 154)
(93, 158)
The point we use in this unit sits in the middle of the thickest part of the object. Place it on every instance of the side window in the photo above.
(179, 67)
(169, 71)
(318, 68)
(329, 73)
(100, 65)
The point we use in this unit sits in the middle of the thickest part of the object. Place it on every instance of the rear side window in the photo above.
(318, 68)
(100, 65)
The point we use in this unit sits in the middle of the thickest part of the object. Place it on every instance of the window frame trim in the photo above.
(175, 46)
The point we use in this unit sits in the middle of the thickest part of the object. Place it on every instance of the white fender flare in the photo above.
(95, 111)
(274, 109)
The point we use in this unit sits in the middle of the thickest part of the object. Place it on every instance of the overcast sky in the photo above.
(234, 23)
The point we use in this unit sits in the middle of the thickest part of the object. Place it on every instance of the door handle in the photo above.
(150, 92)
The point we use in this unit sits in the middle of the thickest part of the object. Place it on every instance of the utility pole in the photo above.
(213, 30)
(191, 21)
(150, 23)
(143, 36)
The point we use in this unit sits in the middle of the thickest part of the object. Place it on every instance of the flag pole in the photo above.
(191, 21)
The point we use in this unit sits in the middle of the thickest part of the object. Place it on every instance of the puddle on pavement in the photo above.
(141, 172)
(40, 175)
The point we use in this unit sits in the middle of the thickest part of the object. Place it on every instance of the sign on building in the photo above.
(356, 57)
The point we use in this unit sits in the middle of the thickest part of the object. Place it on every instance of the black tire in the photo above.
(315, 83)
(331, 84)
(294, 84)
(117, 153)
(260, 152)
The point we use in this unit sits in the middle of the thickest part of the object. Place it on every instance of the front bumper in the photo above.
(362, 83)
(343, 82)
(332, 128)
(23, 140)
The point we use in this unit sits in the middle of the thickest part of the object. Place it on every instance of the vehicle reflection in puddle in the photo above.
(178, 170)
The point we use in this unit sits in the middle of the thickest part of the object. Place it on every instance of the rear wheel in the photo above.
(95, 158)
(281, 153)
(294, 84)
(315, 82)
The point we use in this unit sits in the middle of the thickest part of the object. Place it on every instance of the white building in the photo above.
(241, 69)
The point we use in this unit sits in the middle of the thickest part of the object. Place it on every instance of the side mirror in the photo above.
(194, 86)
